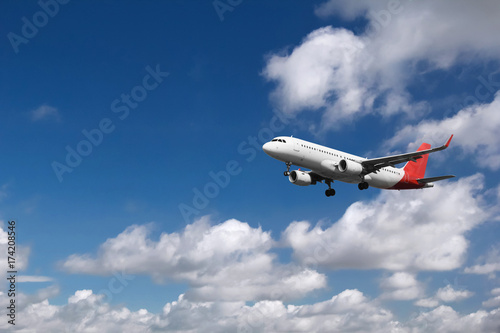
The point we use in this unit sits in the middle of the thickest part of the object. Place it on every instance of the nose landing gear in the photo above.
(287, 172)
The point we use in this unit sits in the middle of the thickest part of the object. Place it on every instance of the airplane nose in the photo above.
(266, 147)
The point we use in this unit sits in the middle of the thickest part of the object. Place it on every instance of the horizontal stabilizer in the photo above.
(433, 179)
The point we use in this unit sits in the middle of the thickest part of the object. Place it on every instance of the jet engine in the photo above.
(300, 178)
(350, 168)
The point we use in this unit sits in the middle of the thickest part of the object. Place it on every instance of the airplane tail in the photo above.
(416, 168)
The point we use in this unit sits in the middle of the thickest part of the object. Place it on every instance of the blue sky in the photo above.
(177, 93)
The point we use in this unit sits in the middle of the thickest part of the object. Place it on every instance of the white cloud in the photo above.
(401, 286)
(45, 112)
(229, 261)
(446, 319)
(494, 301)
(33, 278)
(324, 71)
(475, 130)
(399, 231)
(85, 311)
(233, 257)
(348, 311)
(489, 264)
(342, 74)
(427, 302)
(447, 294)
(81, 295)
(333, 70)
(20, 254)
(426, 30)
(25, 300)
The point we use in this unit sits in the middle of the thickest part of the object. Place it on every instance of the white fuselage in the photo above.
(324, 161)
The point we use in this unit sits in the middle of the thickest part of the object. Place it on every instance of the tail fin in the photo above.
(417, 168)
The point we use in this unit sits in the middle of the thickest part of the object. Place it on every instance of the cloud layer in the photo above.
(475, 129)
(236, 283)
(229, 261)
(346, 75)
(399, 231)
(348, 311)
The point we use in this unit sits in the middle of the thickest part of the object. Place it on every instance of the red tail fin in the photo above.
(417, 169)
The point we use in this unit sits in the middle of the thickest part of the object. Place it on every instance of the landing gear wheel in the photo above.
(363, 186)
(286, 173)
(330, 192)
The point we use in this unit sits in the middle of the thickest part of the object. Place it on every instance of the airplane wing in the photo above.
(375, 164)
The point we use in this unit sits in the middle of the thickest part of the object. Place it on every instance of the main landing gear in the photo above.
(363, 186)
(330, 192)
(287, 172)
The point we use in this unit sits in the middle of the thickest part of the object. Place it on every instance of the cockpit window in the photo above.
(278, 140)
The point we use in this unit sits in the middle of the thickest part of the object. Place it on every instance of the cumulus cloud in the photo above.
(21, 253)
(398, 231)
(482, 145)
(85, 311)
(493, 301)
(445, 319)
(401, 286)
(33, 278)
(323, 71)
(425, 30)
(427, 302)
(229, 261)
(447, 294)
(348, 311)
(488, 265)
(44, 112)
(332, 70)
(345, 74)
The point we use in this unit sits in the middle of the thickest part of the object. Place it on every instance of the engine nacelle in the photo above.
(300, 178)
(350, 168)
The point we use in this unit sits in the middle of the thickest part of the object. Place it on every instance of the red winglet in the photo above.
(449, 140)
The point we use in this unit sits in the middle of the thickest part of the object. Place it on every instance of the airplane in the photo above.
(327, 165)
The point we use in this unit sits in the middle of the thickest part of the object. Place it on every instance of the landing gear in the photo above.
(363, 186)
(330, 192)
(287, 172)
